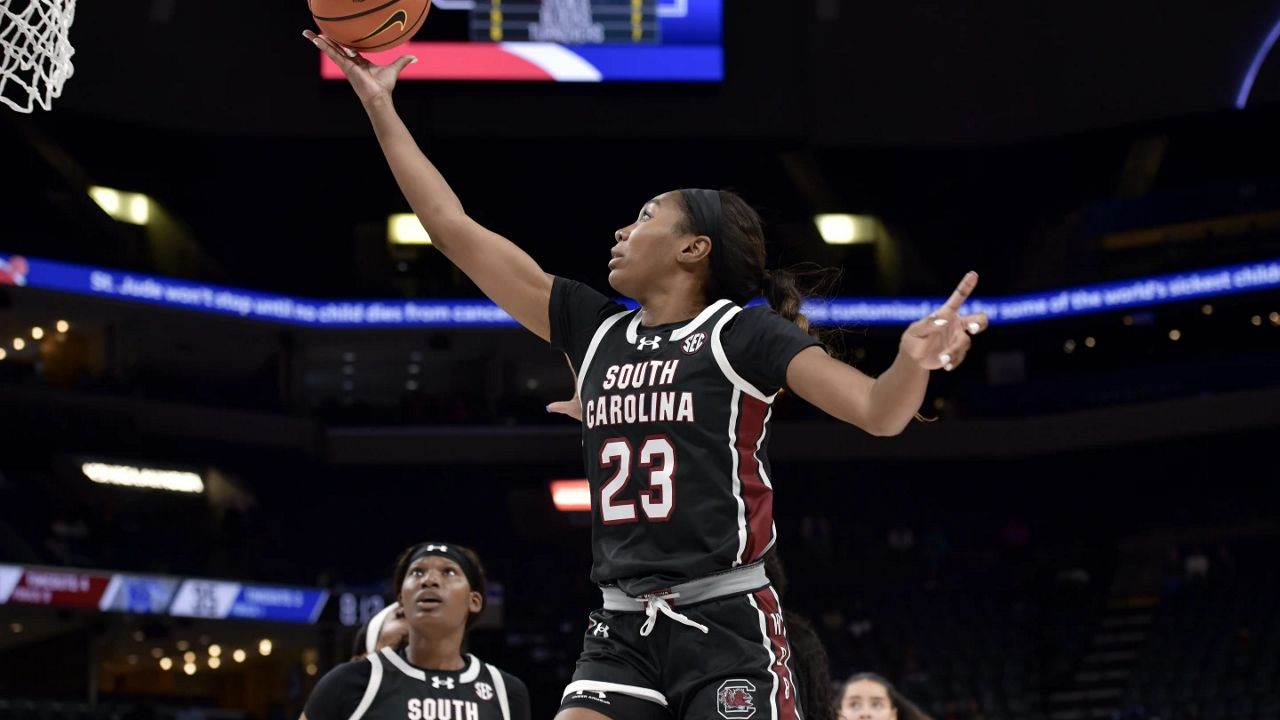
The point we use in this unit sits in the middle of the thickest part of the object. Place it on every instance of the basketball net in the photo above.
(36, 45)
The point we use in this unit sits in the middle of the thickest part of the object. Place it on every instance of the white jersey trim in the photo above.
(764, 432)
(632, 326)
(768, 646)
(468, 675)
(472, 672)
(595, 344)
(370, 690)
(500, 687)
(703, 316)
(764, 477)
(631, 690)
(786, 657)
(398, 662)
(404, 667)
(717, 349)
(735, 400)
(681, 332)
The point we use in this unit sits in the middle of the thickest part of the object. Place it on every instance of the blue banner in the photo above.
(139, 595)
(278, 604)
(221, 300)
(160, 595)
(222, 599)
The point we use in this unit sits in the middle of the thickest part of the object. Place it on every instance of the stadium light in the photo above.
(148, 478)
(571, 495)
(128, 207)
(839, 229)
(406, 229)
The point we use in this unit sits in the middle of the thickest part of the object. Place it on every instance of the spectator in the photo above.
(867, 696)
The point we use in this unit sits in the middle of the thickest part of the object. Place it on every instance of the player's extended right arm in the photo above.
(504, 272)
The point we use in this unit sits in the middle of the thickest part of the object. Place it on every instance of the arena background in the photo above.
(1087, 528)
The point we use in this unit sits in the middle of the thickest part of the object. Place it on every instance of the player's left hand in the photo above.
(941, 340)
(572, 408)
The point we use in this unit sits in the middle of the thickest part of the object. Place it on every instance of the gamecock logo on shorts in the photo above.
(735, 699)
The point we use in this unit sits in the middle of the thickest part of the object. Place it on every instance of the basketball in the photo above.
(369, 25)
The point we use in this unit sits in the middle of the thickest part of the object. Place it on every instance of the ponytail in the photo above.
(737, 261)
(786, 289)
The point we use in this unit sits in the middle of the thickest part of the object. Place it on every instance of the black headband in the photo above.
(704, 213)
(454, 553)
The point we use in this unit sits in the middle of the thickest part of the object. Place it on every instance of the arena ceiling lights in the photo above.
(838, 229)
(406, 229)
(181, 481)
(128, 207)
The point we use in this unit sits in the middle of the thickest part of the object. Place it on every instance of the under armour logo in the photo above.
(484, 690)
(693, 343)
(649, 343)
(439, 548)
(439, 682)
(599, 629)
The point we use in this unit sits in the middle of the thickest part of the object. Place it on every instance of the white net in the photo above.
(36, 44)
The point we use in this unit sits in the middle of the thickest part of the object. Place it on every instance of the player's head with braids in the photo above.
(448, 563)
(869, 689)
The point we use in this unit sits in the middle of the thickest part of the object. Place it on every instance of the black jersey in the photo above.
(385, 686)
(675, 433)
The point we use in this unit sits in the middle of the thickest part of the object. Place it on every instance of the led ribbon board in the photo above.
(158, 595)
(565, 41)
(220, 300)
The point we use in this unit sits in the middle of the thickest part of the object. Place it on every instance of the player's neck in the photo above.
(435, 653)
(670, 309)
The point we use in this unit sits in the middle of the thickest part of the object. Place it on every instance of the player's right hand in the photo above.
(573, 407)
(371, 82)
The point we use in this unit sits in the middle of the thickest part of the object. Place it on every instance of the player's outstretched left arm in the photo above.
(886, 404)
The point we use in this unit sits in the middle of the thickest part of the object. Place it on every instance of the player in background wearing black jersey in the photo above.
(440, 587)
(676, 400)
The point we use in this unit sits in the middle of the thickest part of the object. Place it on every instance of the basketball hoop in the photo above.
(35, 43)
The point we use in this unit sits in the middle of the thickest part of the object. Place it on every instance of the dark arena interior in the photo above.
(234, 386)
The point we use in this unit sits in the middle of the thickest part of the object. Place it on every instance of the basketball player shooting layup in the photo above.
(675, 410)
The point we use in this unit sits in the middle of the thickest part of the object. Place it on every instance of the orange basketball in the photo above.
(369, 25)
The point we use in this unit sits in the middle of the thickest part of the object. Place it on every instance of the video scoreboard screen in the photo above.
(564, 41)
